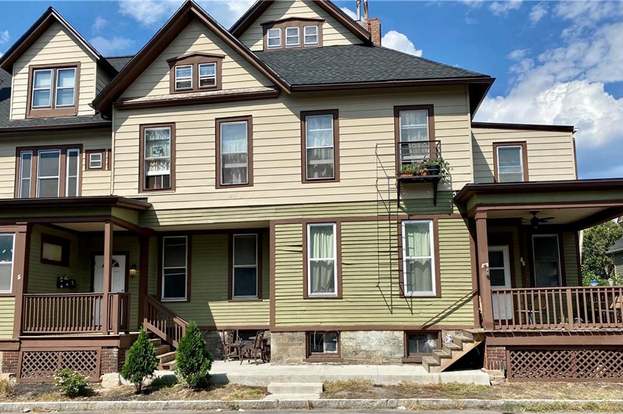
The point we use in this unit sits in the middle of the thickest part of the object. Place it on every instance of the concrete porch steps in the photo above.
(443, 358)
(294, 390)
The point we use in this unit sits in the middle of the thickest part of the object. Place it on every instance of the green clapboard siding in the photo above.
(370, 297)
(209, 304)
(7, 315)
(572, 275)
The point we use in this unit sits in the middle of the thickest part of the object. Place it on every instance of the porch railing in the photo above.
(52, 313)
(163, 322)
(558, 308)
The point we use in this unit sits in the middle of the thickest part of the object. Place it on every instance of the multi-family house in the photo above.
(288, 175)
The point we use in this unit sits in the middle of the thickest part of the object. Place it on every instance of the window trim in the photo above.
(336, 146)
(9, 292)
(78, 172)
(188, 238)
(200, 77)
(52, 110)
(217, 132)
(298, 37)
(142, 187)
(105, 154)
(56, 87)
(434, 241)
(431, 128)
(184, 78)
(323, 356)
(65, 245)
(524, 158)
(19, 170)
(417, 358)
(267, 37)
(232, 267)
(337, 249)
(194, 60)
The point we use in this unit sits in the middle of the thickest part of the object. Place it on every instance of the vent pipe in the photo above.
(358, 10)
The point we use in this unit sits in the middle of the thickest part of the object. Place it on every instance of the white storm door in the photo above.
(500, 277)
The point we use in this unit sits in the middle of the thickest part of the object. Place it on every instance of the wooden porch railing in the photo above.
(163, 322)
(558, 308)
(52, 313)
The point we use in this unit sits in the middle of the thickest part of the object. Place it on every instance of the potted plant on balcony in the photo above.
(427, 167)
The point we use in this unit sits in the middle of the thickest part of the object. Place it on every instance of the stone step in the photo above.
(430, 361)
(464, 338)
(298, 388)
(443, 353)
(170, 366)
(452, 346)
(163, 349)
(467, 334)
(292, 397)
(155, 341)
(166, 357)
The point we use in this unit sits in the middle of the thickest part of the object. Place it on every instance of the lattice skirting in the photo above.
(41, 365)
(565, 364)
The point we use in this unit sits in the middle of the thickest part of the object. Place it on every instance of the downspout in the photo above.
(112, 152)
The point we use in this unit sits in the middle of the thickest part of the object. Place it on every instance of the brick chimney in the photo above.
(374, 27)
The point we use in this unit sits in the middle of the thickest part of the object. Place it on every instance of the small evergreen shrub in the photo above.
(141, 361)
(71, 383)
(193, 361)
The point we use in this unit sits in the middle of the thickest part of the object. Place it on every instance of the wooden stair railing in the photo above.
(163, 322)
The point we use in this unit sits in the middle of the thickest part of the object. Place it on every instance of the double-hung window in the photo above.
(53, 91)
(273, 38)
(49, 173)
(174, 268)
(65, 87)
(310, 34)
(510, 162)
(414, 136)
(207, 75)
(322, 266)
(40, 172)
(292, 36)
(320, 145)
(245, 266)
(7, 244)
(183, 77)
(72, 172)
(156, 162)
(418, 258)
(42, 88)
(234, 151)
(25, 174)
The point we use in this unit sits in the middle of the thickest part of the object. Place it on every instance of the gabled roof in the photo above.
(189, 10)
(260, 7)
(49, 17)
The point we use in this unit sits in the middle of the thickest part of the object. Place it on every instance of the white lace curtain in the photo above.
(322, 259)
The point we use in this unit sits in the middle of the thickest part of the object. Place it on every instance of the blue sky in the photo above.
(555, 62)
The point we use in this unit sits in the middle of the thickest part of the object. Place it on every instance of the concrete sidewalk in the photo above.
(263, 374)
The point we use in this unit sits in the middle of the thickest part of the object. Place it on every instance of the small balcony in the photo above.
(420, 162)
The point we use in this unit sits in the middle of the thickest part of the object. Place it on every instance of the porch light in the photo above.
(133, 270)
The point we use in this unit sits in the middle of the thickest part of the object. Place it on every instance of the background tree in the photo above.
(596, 264)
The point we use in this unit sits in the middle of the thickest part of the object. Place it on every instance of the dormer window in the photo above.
(53, 91)
(196, 72)
(293, 32)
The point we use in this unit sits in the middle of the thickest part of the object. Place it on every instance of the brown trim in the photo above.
(300, 23)
(473, 256)
(21, 261)
(371, 327)
(188, 266)
(322, 357)
(338, 259)
(523, 127)
(186, 13)
(217, 132)
(437, 293)
(336, 145)
(60, 127)
(486, 80)
(62, 173)
(524, 157)
(546, 338)
(59, 241)
(194, 60)
(69, 202)
(105, 153)
(431, 127)
(10, 344)
(417, 358)
(141, 166)
(354, 219)
(52, 111)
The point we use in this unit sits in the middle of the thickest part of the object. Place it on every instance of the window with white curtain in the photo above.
(157, 157)
(321, 259)
(7, 244)
(48, 173)
(72, 172)
(414, 136)
(234, 152)
(319, 147)
(245, 266)
(418, 258)
(174, 268)
(510, 166)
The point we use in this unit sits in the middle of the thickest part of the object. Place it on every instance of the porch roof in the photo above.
(579, 202)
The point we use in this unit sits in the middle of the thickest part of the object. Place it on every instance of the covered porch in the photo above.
(527, 239)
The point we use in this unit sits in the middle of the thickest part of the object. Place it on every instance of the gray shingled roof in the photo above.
(118, 62)
(355, 63)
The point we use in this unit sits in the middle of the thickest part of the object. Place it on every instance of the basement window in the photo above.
(420, 344)
(323, 344)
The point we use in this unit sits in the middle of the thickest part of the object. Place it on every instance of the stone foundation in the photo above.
(287, 347)
(10, 360)
(372, 347)
(495, 358)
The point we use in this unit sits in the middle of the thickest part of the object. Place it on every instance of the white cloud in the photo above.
(99, 24)
(4, 36)
(113, 45)
(500, 8)
(399, 41)
(349, 12)
(537, 12)
(517, 54)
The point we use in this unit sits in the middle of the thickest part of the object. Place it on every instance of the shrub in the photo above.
(193, 361)
(141, 361)
(71, 383)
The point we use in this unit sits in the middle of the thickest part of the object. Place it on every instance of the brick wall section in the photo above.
(495, 357)
(374, 27)
(10, 360)
(111, 360)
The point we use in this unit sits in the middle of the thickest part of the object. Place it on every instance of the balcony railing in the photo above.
(71, 313)
(558, 308)
(415, 153)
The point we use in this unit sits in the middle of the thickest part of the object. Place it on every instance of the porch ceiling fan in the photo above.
(536, 221)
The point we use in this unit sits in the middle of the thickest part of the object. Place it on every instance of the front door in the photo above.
(118, 273)
(500, 276)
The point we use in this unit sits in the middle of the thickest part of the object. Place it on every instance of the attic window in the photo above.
(53, 90)
(195, 72)
(293, 32)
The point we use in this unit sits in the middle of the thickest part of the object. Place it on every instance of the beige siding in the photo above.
(366, 119)
(196, 37)
(365, 287)
(551, 155)
(209, 303)
(334, 33)
(95, 182)
(7, 317)
(55, 46)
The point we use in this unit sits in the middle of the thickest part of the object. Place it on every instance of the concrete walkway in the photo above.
(263, 374)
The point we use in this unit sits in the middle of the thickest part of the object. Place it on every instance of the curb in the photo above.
(353, 404)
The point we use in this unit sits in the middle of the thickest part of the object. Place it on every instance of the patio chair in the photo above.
(254, 350)
(231, 345)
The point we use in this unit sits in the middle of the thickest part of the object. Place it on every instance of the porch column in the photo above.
(20, 270)
(107, 277)
(483, 270)
(143, 277)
